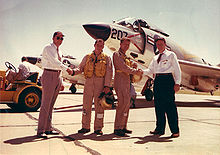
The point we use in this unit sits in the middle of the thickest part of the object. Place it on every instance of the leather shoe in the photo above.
(175, 135)
(41, 135)
(51, 133)
(83, 130)
(98, 132)
(119, 132)
(126, 131)
(157, 133)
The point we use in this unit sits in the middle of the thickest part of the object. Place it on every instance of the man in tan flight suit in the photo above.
(123, 70)
(97, 68)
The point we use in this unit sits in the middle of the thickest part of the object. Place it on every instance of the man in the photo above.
(167, 73)
(97, 68)
(51, 83)
(123, 70)
(23, 73)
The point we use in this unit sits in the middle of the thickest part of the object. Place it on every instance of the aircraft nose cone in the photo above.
(98, 31)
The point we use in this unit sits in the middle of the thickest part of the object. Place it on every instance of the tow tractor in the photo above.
(21, 95)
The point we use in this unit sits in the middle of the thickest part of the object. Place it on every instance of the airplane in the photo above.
(197, 74)
(69, 61)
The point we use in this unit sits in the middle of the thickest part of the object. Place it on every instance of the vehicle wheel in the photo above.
(30, 100)
(73, 88)
(149, 94)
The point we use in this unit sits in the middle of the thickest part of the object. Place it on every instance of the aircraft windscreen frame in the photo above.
(136, 24)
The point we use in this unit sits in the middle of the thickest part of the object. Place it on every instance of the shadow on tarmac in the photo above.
(28, 139)
(8, 110)
(77, 93)
(152, 138)
(92, 136)
(21, 140)
(112, 137)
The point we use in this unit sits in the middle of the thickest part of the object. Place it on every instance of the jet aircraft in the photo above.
(197, 74)
(69, 61)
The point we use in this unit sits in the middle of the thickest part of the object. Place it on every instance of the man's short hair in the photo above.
(23, 59)
(55, 33)
(98, 40)
(124, 39)
(160, 38)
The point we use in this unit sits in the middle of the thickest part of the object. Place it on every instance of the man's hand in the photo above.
(106, 90)
(70, 71)
(61, 87)
(139, 72)
(176, 88)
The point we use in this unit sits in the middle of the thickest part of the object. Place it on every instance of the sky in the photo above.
(26, 26)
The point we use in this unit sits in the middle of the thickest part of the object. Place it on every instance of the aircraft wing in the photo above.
(202, 70)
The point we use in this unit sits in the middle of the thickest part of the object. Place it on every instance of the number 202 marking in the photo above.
(118, 34)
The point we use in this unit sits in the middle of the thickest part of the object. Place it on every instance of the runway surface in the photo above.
(199, 121)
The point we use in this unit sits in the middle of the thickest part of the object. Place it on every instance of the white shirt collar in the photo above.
(52, 44)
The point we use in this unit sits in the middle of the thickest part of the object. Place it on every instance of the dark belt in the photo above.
(51, 70)
(162, 74)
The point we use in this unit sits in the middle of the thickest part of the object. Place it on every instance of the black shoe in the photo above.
(126, 131)
(41, 135)
(51, 133)
(98, 132)
(157, 133)
(175, 135)
(119, 132)
(83, 130)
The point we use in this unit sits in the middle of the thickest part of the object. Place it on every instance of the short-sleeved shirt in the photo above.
(25, 69)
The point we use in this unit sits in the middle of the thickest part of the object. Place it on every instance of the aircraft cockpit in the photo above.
(138, 24)
(132, 23)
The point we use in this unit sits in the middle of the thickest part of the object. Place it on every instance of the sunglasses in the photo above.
(59, 38)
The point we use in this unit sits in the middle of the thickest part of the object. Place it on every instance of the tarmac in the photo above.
(199, 122)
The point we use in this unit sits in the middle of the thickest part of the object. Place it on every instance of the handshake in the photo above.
(70, 71)
(139, 72)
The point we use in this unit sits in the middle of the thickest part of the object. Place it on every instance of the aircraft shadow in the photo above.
(142, 103)
(139, 103)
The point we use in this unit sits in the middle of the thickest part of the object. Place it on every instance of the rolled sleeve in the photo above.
(120, 64)
(177, 70)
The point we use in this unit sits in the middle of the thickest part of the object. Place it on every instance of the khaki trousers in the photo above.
(51, 82)
(122, 110)
(92, 89)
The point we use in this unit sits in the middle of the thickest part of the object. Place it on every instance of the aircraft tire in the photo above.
(73, 89)
(149, 94)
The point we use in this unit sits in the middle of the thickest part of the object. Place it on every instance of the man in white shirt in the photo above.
(51, 83)
(166, 70)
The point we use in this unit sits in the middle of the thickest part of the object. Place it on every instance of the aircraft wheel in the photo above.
(149, 94)
(73, 88)
(29, 100)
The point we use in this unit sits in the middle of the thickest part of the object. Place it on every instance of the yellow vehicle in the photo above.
(22, 95)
